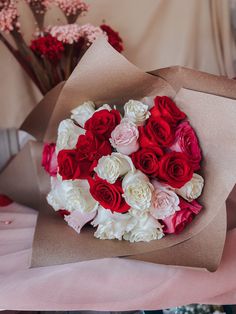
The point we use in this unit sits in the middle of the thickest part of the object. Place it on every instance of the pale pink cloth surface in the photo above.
(108, 284)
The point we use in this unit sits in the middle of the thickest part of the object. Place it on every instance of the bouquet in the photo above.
(134, 177)
(54, 50)
(170, 112)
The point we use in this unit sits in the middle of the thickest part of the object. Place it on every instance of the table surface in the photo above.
(108, 284)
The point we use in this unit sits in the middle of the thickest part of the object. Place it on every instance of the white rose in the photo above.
(78, 219)
(104, 107)
(68, 134)
(165, 202)
(56, 197)
(124, 138)
(111, 167)
(112, 225)
(83, 112)
(192, 189)
(71, 195)
(77, 196)
(137, 190)
(136, 112)
(146, 229)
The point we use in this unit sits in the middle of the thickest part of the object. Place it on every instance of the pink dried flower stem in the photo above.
(72, 9)
(21, 60)
(31, 60)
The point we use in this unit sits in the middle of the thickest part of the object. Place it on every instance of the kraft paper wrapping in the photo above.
(104, 76)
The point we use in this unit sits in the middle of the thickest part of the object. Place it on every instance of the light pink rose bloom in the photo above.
(165, 202)
(186, 142)
(124, 138)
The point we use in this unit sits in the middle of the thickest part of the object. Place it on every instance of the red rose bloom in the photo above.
(49, 159)
(147, 160)
(164, 107)
(156, 132)
(108, 195)
(102, 123)
(114, 38)
(175, 169)
(177, 222)
(68, 165)
(90, 148)
(186, 141)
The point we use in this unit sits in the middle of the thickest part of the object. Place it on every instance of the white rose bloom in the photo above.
(56, 197)
(77, 219)
(77, 196)
(192, 189)
(111, 167)
(165, 202)
(68, 134)
(71, 195)
(137, 190)
(104, 107)
(136, 111)
(146, 229)
(112, 225)
(83, 112)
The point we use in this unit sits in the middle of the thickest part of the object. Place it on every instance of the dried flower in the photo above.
(90, 33)
(68, 34)
(8, 16)
(72, 7)
(48, 47)
(72, 33)
(113, 37)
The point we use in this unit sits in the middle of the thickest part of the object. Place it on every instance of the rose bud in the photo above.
(49, 159)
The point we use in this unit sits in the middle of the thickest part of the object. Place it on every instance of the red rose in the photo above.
(68, 165)
(175, 169)
(164, 107)
(156, 132)
(90, 148)
(49, 159)
(108, 195)
(177, 222)
(186, 141)
(147, 160)
(102, 123)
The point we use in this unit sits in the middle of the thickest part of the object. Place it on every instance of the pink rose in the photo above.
(124, 138)
(186, 142)
(177, 222)
(49, 159)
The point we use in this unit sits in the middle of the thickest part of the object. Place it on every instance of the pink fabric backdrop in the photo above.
(109, 284)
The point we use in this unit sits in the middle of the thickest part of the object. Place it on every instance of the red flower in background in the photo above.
(113, 37)
(48, 47)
